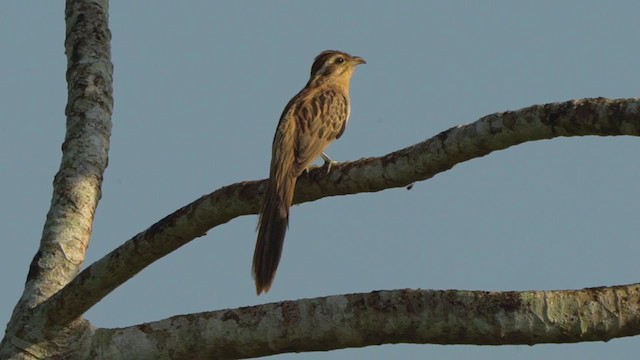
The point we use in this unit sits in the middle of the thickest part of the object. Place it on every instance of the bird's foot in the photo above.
(328, 162)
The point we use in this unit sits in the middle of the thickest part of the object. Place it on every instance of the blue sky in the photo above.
(199, 87)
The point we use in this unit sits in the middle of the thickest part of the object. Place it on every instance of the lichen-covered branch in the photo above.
(382, 317)
(494, 132)
(77, 185)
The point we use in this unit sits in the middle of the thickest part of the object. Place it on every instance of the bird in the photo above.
(312, 119)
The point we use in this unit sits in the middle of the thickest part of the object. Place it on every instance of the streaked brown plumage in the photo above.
(315, 117)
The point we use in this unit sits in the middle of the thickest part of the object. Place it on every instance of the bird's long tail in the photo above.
(272, 226)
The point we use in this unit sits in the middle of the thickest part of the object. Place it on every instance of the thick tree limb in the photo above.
(77, 185)
(422, 161)
(384, 317)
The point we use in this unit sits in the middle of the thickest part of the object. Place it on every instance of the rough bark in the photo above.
(382, 317)
(76, 186)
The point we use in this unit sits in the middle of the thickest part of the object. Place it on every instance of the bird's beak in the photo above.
(358, 60)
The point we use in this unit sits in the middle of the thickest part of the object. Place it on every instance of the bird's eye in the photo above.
(340, 60)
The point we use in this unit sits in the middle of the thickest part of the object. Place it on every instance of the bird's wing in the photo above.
(283, 149)
(320, 119)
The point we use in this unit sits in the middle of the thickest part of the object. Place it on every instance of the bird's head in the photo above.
(333, 65)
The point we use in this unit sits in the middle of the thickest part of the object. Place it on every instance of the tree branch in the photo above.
(383, 317)
(77, 185)
(422, 161)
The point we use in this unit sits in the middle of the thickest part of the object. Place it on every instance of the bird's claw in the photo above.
(328, 162)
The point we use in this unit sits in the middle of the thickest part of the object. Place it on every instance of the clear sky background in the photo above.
(199, 87)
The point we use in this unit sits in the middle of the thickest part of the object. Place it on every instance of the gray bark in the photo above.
(76, 187)
(383, 317)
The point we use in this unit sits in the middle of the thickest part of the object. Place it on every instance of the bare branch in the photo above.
(77, 185)
(415, 163)
(383, 317)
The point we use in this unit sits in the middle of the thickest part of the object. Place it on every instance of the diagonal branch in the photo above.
(422, 161)
(384, 317)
